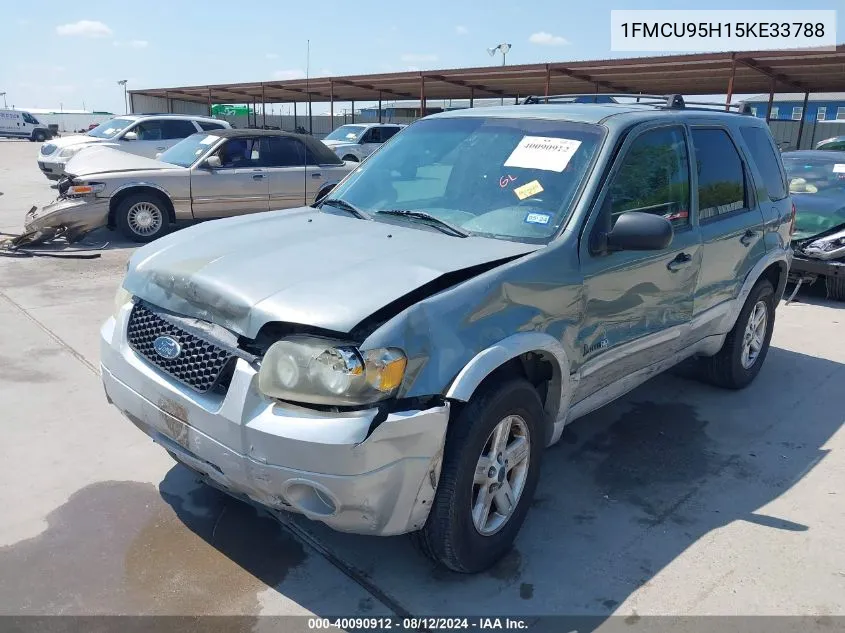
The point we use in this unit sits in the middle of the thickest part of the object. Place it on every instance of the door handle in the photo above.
(317, 175)
(747, 237)
(161, 148)
(258, 176)
(679, 262)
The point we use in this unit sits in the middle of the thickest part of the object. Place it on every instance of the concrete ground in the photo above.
(678, 499)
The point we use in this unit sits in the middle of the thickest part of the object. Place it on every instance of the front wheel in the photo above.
(142, 217)
(39, 136)
(490, 469)
(835, 287)
(746, 345)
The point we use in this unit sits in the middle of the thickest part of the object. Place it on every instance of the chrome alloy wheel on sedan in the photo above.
(144, 218)
(755, 334)
(500, 475)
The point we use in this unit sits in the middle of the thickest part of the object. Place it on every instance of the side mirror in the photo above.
(213, 162)
(130, 136)
(637, 231)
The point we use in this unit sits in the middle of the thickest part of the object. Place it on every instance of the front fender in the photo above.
(488, 360)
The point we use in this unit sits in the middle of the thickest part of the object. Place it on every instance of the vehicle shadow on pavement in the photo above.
(628, 489)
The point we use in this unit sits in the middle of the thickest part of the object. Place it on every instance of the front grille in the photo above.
(200, 364)
(47, 149)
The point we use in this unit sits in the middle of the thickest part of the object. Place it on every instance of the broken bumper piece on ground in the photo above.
(70, 218)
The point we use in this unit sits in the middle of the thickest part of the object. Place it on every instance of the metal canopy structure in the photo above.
(703, 73)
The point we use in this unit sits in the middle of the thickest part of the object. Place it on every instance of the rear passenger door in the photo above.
(285, 161)
(729, 217)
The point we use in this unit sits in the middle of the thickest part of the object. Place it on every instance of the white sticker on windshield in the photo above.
(839, 168)
(540, 152)
(208, 140)
(351, 135)
(110, 130)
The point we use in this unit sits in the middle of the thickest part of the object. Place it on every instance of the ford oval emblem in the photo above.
(167, 347)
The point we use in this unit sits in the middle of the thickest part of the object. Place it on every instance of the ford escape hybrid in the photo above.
(396, 358)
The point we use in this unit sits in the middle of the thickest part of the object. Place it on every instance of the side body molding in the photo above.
(488, 360)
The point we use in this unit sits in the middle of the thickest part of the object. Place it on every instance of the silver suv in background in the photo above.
(356, 141)
(141, 134)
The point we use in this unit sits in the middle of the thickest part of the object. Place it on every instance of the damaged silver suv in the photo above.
(396, 358)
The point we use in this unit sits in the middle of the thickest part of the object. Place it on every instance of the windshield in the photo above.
(111, 128)
(348, 133)
(186, 152)
(817, 186)
(513, 179)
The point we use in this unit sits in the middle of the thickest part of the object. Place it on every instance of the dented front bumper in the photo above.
(74, 216)
(328, 466)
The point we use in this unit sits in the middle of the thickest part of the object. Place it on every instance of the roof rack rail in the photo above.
(668, 102)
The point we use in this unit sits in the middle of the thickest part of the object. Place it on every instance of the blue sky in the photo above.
(74, 52)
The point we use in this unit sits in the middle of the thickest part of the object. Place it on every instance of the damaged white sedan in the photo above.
(227, 173)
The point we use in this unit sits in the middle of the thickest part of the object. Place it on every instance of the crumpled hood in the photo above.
(298, 266)
(817, 213)
(102, 160)
(75, 139)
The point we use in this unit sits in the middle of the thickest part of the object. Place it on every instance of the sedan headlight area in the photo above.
(320, 371)
(67, 152)
(121, 298)
(85, 189)
(828, 247)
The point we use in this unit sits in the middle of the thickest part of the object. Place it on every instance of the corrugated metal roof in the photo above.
(696, 74)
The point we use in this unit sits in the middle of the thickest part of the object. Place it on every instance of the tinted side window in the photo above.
(371, 136)
(721, 177)
(835, 145)
(240, 152)
(763, 153)
(388, 132)
(177, 129)
(283, 151)
(148, 131)
(654, 177)
(29, 118)
(210, 126)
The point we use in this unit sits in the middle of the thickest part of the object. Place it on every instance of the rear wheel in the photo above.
(835, 287)
(142, 217)
(745, 348)
(490, 469)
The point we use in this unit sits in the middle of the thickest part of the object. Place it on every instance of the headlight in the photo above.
(67, 152)
(320, 371)
(121, 298)
(828, 243)
(85, 189)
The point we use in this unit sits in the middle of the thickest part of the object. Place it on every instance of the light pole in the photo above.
(122, 82)
(504, 48)
(3, 94)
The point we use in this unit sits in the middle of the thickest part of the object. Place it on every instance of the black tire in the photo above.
(835, 287)
(351, 158)
(449, 536)
(129, 206)
(726, 368)
(39, 136)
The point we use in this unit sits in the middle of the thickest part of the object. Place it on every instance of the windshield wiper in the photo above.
(431, 220)
(347, 206)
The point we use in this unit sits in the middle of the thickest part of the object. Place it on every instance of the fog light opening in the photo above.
(310, 499)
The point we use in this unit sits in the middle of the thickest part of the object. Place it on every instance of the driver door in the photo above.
(240, 185)
(638, 302)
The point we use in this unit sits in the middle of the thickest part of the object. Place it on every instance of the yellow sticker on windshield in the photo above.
(526, 191)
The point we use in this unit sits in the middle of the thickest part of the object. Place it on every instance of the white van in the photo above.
(21, 124)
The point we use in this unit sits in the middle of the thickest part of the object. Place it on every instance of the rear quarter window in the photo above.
(763, 154)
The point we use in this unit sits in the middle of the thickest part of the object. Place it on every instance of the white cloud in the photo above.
(416, 57)
(271, 56)
(84, 28)
(292, 73)
(326, 72)
(461, 30)
(547, 39)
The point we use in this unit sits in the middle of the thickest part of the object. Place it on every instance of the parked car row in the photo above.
(397, 357)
